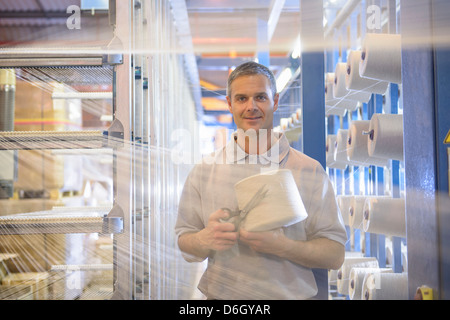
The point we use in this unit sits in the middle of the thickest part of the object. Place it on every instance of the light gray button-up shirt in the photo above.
(241, 273)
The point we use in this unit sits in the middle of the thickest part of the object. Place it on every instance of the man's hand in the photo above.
(218, 235)
(272, 242)
(316, 253)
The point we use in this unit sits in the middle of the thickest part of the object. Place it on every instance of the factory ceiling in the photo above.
(224, 32)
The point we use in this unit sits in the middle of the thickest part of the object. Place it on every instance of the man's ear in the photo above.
(275, 101)
(229, 104)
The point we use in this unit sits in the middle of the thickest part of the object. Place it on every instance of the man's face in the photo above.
(252, 103)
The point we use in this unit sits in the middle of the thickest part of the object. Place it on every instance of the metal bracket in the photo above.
(115, 135)
(112, 59)
(113, 221)
(23, 58)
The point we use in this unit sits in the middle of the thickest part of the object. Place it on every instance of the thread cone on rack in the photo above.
(339, 86)
(354, 81)
(381, 57)
(357, 145)
(356, 212)
(343, 275)
(340, 151)
(385, 286)
(337, 106)
(344, 202)
(385, 136)
(330, 150)
(385, 216)
(356, 279)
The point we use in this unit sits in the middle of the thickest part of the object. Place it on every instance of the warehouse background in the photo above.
(106, 105)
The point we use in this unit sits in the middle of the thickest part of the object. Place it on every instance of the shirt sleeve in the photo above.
(190, 207)
(325, 220)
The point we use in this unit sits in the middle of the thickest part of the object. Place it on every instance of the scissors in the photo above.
(236, 216)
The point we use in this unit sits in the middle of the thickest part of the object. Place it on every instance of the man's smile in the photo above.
(252, 118)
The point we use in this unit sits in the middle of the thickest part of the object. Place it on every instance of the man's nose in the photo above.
(251, 104)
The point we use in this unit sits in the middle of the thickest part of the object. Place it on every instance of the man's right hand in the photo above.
(217, 235)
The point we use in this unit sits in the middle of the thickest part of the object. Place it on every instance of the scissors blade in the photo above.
(254, 201)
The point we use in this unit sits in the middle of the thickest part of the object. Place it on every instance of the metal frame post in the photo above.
(420, 145)
(312, 97)
(123, 168)
(441, 24)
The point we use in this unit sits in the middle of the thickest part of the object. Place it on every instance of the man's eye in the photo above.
(261, 98)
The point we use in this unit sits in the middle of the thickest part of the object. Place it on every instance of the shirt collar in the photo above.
(276, 154)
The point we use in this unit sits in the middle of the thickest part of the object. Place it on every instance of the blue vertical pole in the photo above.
(421, 156)
(395, 164)
(395, 167)
(312, 98)
(369, 249)
(379, 239)
(441, 25)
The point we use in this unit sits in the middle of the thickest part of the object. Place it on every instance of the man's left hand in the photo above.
(271, 242)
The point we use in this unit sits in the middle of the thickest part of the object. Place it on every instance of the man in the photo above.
(258, 265)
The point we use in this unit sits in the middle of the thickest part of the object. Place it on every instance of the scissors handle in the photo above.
(232, 213)
(234, 218)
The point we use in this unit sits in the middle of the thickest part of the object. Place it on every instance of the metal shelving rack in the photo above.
(77, 220)
(155, 35)
(422, 178)
(347, 34)
(20, 58)
(151, 49)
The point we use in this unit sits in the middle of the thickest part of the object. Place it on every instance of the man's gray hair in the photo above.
(249, 69)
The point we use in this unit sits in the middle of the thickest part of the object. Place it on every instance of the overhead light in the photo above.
(94, 4)
(296, 52)
(283, 79)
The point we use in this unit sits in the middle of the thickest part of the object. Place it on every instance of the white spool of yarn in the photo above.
(404, 259)
(332, 277)
(337, 106)
(362, 241)
(381, 57)
(385, 215)
(329, 148)
(343, 274)
(357, 145)
(356, 278)
(284, 124)
(354, 81)
(385, 136)
(282, 206)
(344, 202)
(339, 86)
(340, 151)
(356, 208)
(389, 251)
(330, 100)
(385, 286)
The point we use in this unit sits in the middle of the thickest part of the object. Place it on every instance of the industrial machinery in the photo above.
(133, 154)
(140, 91)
